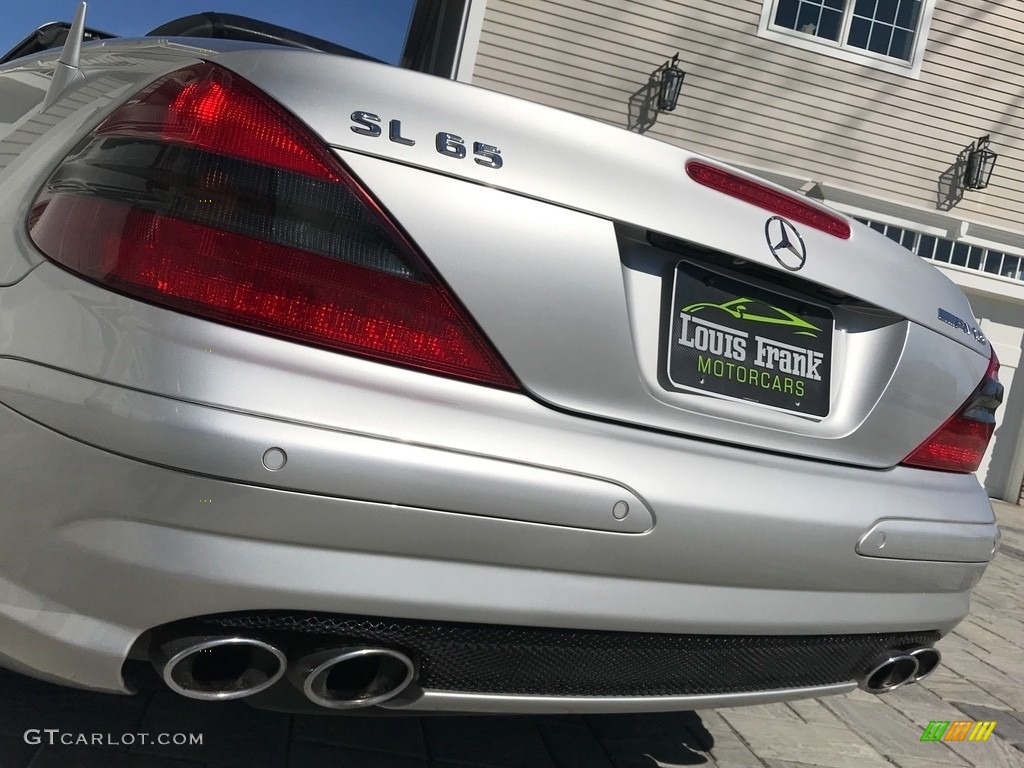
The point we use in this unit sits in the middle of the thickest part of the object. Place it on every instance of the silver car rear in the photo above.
(677, 460)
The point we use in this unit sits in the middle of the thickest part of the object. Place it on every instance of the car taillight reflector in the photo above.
(960, 444)
(203, 196)
(762, 196)
(206, 107)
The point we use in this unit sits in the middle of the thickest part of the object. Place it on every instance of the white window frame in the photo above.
(839, 50)
(472, 29)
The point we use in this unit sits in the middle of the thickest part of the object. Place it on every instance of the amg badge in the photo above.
(950, 319)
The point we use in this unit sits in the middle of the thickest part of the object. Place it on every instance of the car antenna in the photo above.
(68, 71)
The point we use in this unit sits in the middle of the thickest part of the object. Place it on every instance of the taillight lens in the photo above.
(960, 443)
(763, 196)
(204, 196)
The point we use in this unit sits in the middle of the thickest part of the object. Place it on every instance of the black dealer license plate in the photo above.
(732, 339)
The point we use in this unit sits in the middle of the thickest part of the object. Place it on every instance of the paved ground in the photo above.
(982, 679)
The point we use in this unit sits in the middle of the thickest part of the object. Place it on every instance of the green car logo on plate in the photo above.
(754, 311)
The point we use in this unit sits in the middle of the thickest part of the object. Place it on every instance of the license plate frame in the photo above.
(733, 339)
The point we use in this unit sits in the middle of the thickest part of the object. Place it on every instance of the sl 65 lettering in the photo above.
(448, 144)
(365, 124)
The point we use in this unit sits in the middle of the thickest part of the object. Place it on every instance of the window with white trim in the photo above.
(952, 252)
(889, 32)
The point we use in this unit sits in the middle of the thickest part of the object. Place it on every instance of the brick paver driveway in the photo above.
(982, 678)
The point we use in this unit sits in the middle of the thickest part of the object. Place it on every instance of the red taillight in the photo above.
(206, 107)
(762, 196)
(202, 195)
(960, 444)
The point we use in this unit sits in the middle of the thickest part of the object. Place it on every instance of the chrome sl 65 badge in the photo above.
(448, 144)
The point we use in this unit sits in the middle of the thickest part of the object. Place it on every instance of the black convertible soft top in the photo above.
(228, 26)
(221, 26)
(49, 36)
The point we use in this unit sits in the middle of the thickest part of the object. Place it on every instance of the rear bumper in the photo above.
(126, 511)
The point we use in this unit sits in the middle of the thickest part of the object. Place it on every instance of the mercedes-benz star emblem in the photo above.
(785, 243)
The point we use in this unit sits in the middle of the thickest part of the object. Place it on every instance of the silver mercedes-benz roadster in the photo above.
(337, 386)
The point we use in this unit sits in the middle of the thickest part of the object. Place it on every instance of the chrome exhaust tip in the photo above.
(894, 669)
(347, 678)
(928, 659)
(218, 668)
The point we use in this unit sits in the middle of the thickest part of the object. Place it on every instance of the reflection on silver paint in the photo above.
(331, 463)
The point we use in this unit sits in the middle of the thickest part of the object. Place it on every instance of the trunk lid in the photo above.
(866, 348)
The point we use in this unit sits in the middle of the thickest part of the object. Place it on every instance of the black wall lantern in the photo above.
(671, 83)
(980, 162)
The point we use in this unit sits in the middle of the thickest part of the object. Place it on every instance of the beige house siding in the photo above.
(767, 105)
(876, 142)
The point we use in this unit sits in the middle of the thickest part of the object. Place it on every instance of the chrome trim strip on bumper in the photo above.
(449, 701)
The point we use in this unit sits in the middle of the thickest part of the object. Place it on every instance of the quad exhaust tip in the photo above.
(347, 678)
(898, 668)
(891, 671)
(218, 668)
(221, 668)
(928, 659)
